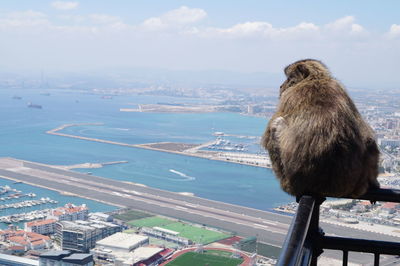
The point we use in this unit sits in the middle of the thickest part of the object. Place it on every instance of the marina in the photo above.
(226, 150)
(27, 203)
(25, 217)
(19, 210)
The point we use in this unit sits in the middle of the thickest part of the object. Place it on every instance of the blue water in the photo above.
(23, 136)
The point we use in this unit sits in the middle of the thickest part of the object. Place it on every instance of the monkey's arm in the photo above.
(271, 141)
(271, 136)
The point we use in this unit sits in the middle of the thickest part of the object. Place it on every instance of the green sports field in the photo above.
(201, 259)
(194, 233)
(150, 222)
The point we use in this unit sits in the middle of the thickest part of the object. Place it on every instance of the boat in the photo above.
(32, 105)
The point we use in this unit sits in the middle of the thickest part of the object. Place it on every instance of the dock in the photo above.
(184, 149)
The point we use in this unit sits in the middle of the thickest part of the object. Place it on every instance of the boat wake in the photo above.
(185, 176)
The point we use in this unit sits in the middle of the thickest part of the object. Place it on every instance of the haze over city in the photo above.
(358, 40)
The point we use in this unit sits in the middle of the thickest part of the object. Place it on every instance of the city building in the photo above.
(25, 240)
(53, 257)
(394, 143)
(65, 258)
(81, 236)
(70, 212)
(128, 249)
(44, 227)
(100, 216)
(122, 242)
(166, 234)
(388, 209)
(78, 259)
(149, 255)
(9, 260)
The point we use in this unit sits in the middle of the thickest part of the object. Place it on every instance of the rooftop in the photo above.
(170, 232)
(79, 258)
(55, 254)
(69, 209)
(144, 253)
(42, 222)
(122, 240)
(17, 260)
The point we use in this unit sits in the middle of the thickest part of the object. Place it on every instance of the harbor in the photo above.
(14, 209)
(27, 203)
(21, 202)
(218, 150)
(25, 216)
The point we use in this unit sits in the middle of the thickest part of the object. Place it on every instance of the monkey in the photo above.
(318, 143)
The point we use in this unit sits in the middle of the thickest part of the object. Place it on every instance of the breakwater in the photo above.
(176, 148)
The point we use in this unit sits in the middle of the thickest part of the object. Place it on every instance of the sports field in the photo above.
(194, 233)
(201, 259)
(150, 222)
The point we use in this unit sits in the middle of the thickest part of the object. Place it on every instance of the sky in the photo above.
(359, 40)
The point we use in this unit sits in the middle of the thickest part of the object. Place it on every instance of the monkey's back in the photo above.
(324, 148)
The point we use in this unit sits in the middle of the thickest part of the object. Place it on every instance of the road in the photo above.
(269, 227)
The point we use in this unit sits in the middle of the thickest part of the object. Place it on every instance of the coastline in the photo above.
(62, 192)
(177, 148)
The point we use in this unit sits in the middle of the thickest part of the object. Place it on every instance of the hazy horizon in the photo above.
(358, 40)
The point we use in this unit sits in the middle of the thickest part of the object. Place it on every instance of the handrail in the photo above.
(294, 242)
(305, 241)
(382, 194)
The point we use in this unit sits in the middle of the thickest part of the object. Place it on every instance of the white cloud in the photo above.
(260, 29)
(346, 25)
(247, 29)
(154, 24)
(184, 15)
(394, 31)
(178, 17)
(341, 23)
(341, 28)
(63, 5)
(25, 19)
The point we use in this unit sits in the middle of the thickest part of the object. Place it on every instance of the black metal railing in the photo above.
(305, 240)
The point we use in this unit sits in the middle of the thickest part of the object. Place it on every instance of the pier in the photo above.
(176, 148)
(89, 165)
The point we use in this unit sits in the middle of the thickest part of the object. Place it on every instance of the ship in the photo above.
(32, 105)
(17, 97)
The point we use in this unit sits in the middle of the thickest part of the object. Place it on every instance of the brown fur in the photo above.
(317, 141)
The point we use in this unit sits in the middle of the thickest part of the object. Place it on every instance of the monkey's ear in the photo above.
(302, 70)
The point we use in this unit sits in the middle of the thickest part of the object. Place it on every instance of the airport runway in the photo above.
(269, 227)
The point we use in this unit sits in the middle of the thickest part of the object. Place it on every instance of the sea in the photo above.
(23, 136)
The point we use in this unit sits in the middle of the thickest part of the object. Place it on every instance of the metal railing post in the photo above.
(315, 232)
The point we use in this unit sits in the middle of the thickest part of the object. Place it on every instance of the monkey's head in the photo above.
(303, 69)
